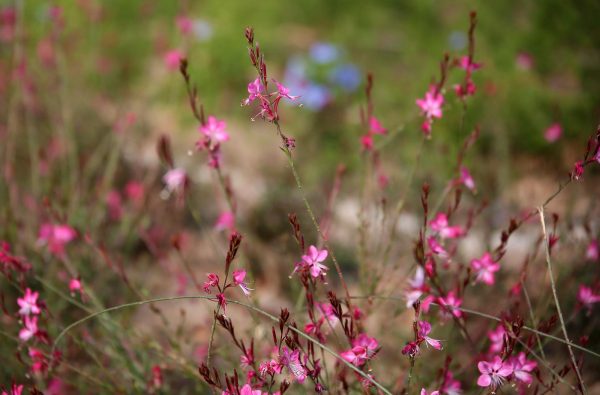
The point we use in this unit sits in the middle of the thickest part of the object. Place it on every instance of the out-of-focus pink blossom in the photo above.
(522, 368)
(577, 170)
(431, 107)
(29, 329)
(587, 297)
(367, 142)
(238, 279)
(524, 61)
(424, 328)
(497, 339)
(375, 126)
(175, 179)
(39, 362)
(115, 205)
(449, 305)
(215, 129)
(416, 287)
(56, 237)
(15, 389)
(184, 24)
(282, 91)
(75, 286)
(28, 303)
(450, 386)
(291, 360)
(424, 392)
(493, 373)
(247, 390)
(553, 133)
(485, 267)
(225, 221)
(135, 192)
(592, 252)
(255, 89)
(436, 247)
(440, 226)
(222, 301)
(467, 64)
(211, 282)
(172, 59)
(313, 260)
(466, 179)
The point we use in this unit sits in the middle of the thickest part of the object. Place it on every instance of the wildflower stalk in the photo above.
(533, 319)
(558, 309)
(212, 298)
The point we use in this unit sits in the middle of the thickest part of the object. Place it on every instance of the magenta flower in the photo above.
(524, 61)
(363, 349)
(225, 221)
(29, 329)
(282, 91)
(416, 287)
(440, 226)
(214, 129)
(553, 133)
(367, 141)
(493, 373)
(185, 24)
(593, 251)
(213, 281)
(450, 305)
(135, 192)
(313, 260)
(522, 368)
(424, 392)
(436, 247)
(172, 59)
(175, 179)
(450, 386)
(424, 329)
(328, 313)
(255, 90)
(467, 64)
(56, 237)
(75, 286)
(28, 303)
(497, 339)
(222, 301)
(577, 170)
(238, 279)
(431, 104)
(291, 360)
(15, 389)
(247, 390)
(587, 297)
(375, 126)
(485, 267)
(466, 179)
(39, 363)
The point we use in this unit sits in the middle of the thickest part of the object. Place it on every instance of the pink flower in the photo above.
(28, 303)
(225, 221)
(485, 267)
(291, 360)
(172, 59)
(156, 380)
(30, 328)
(14, 390)
(493, 373)
(449, 305)
(367, 142)
(553, 133)
(436, 248)
(75, 286)
(363, 349)
(135, 192)
(247, 390)
(431, 104)
(593, 251)
(497, 339)
(577, 170)
(56, 237)
(222, 301)
(115, 205)
(238, 279)
(255, 89)
(215, 129)
(313, 260)
(524, 61)
(468, 65)
(375, 126)
(466, 179)
(416, 287)
(39, 363)
(328, 313)
(213, 281)
(284, 92)
(587, 297)
(522, 368)
(424, 392)
(424, 329)
(440, 226)
(450, 386)
(185, 24)
(175, 179)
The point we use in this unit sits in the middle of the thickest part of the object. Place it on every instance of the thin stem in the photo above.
(247, 306)
(558, 309)
(533, 319)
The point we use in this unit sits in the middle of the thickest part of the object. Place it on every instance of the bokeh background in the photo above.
(88, 86)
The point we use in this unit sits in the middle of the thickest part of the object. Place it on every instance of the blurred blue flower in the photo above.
(324, 52)
(315, 96)
(457, 40)
(347, 76)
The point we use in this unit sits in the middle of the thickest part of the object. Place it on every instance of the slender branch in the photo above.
(558, 309)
